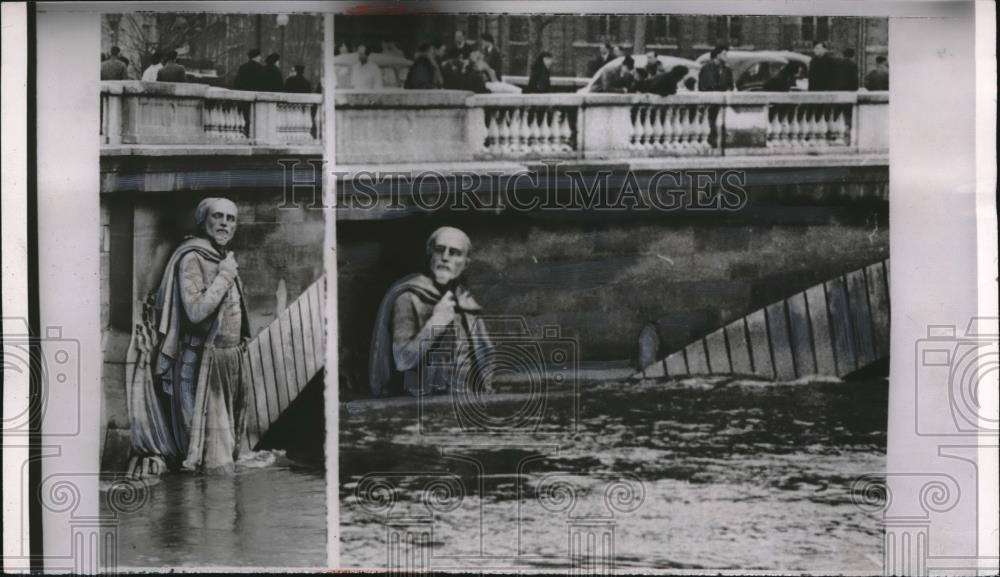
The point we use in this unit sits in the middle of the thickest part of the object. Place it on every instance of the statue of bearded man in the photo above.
(427, 337)
(198, 367)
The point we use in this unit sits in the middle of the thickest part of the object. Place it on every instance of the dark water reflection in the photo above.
(731, 475)
(267, 517)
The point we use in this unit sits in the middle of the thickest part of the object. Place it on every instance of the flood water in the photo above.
(698, 474)
(273, 516)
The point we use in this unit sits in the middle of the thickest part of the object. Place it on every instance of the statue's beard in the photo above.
(221, 237)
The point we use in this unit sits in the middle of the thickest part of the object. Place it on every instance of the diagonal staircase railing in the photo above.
(283, 358)
(833, 328)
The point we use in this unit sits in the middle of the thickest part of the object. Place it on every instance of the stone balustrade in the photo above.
(441, 126)
(446, 126)
(160, 113)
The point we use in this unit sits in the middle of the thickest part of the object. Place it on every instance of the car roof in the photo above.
(640, 61)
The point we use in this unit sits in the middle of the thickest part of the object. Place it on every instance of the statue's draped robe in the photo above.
(192, 408)
(407, 355)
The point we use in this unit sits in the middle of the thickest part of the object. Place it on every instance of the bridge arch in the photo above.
(832, 329)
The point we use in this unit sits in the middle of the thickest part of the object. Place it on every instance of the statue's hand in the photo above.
(229, 265)
(444, 310)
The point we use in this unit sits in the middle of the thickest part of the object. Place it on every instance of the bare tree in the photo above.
(639, 35)
(537, 23)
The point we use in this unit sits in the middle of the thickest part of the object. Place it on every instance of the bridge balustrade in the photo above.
(445, 126)
(160, 113)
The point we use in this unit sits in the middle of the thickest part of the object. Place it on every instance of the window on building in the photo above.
(518, 29)
(666, 29)
(474, 27)
(815, 28)
(726, 30)
(602, 28)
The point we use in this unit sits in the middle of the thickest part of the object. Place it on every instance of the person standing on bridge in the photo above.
(250, 75)
(195, 419)
(113, 68)
(716, 75)
(171, 71)
(427, 337)
(273, 80)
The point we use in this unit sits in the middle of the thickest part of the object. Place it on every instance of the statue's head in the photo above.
(448, 249)
(216, 220)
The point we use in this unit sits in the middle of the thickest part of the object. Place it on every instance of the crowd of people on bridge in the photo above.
(257, 73)
(462, 64)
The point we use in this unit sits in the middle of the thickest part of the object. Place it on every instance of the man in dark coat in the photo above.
(491, 54)
(878, 79)
(272, 79)
(603, 57)
(250, 75)
(113, 68)
(297, 81)
(847, 72)
(822, 69)
(171, 71)
(716, 75)
(457, 48)
(424, 74)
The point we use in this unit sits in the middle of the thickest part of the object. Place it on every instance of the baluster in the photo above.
(823, 127)
(675, 128)
(774, 127)
(492, 130)
(657, 124)
(704, 129)
(795, 127)
(836, 126)
(685, 141)
(542, 129)
(503, 131)
(667, 128)
(564, 132)
(553, 124)
(516, 130)
(785, 134)
(810, 125)
(232, 122)
(533, 134)
(649, 129)
(636, 128)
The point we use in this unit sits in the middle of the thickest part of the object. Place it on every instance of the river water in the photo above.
(697, 474)
(271, 515)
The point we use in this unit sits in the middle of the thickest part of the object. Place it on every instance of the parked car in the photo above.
(752, 68)
(394, 71)
(640, 62)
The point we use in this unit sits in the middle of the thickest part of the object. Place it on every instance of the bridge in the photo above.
(813, 168)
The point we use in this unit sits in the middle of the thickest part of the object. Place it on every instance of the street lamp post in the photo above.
(282, 21)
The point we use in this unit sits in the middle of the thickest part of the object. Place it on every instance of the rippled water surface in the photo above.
(266, 517)
(696, 474)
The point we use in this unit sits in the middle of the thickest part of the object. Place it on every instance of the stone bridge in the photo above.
(811, 170)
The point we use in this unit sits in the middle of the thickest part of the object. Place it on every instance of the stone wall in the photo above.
(602, 277)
